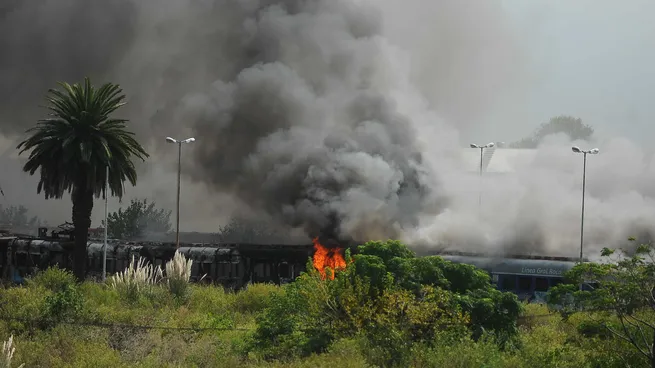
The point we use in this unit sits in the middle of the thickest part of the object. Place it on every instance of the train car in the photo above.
(527, 277)
(231, 265)
(236, 265)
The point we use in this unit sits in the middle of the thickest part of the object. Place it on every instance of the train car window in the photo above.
(284, 270)
(541, 284)
(111, 265)
(258, 270)
(525, 283)
(21, 259)
(508, 283)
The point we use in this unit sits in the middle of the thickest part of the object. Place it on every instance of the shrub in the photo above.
(63, 306)
(8, 353)
(255, 297)
(137, 278)
(54, 279)
(178, 274)
(23, 307)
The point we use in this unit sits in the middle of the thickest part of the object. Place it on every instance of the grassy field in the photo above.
(96, 326)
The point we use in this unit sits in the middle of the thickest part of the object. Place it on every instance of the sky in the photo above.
(593, 59)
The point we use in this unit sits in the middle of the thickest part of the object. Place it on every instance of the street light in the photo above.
(104, 245)
(179, 170)
(593, 151)
(488, 145)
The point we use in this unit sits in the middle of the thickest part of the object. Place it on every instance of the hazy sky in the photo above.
(590, 58)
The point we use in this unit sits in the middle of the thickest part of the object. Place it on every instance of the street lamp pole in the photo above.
(179, 173)
(584, 185)
(104, 247)
(488, 145)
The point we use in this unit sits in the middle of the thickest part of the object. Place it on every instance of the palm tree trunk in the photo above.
(82, 207)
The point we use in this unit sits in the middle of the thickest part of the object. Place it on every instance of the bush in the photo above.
(23, 307)
(54, 279)
(255, 298)
(63, 306)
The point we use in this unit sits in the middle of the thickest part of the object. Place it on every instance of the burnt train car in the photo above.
(231, 265)
(235, 265)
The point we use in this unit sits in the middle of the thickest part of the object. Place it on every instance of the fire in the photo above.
(327, 257)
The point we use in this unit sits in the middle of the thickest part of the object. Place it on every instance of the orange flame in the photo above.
(327, 257)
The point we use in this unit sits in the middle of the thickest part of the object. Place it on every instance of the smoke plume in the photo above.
(341, 118)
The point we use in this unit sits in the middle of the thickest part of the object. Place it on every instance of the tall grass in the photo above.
(139, 276)
(178, 274)
(8, 351)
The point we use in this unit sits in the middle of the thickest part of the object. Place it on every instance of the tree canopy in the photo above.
(138, 219)
(391, 296)
(573, 127)
(619, 297)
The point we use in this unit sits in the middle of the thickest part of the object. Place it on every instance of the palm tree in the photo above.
(73, 148)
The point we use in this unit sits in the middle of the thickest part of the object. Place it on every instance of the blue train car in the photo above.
(528, 277)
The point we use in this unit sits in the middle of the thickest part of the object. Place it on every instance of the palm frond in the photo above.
(79, 140)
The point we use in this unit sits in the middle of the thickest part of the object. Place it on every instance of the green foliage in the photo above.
(139, 218)
(309, 323)
(386, 251)
(489, 309)
(23, 307)
(621, 289)
(79, 140)
(54, 279)
(494, 312)
(571, 126)
(362, 300)
(65, 305)
(372, 271)
(255, 298)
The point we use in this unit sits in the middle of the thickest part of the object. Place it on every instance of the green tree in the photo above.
(620, 299)
(139, 217)
(73, 147)
(489, 309)
(17, 216)
(569, 125)
(392, 298)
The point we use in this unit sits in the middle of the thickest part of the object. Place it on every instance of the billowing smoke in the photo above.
(335, 117)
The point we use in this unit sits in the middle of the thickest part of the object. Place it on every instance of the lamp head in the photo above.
(594, 151)
(170, 140)
(474, 145)
(576, 149)
(490, 145)
(189, 140)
